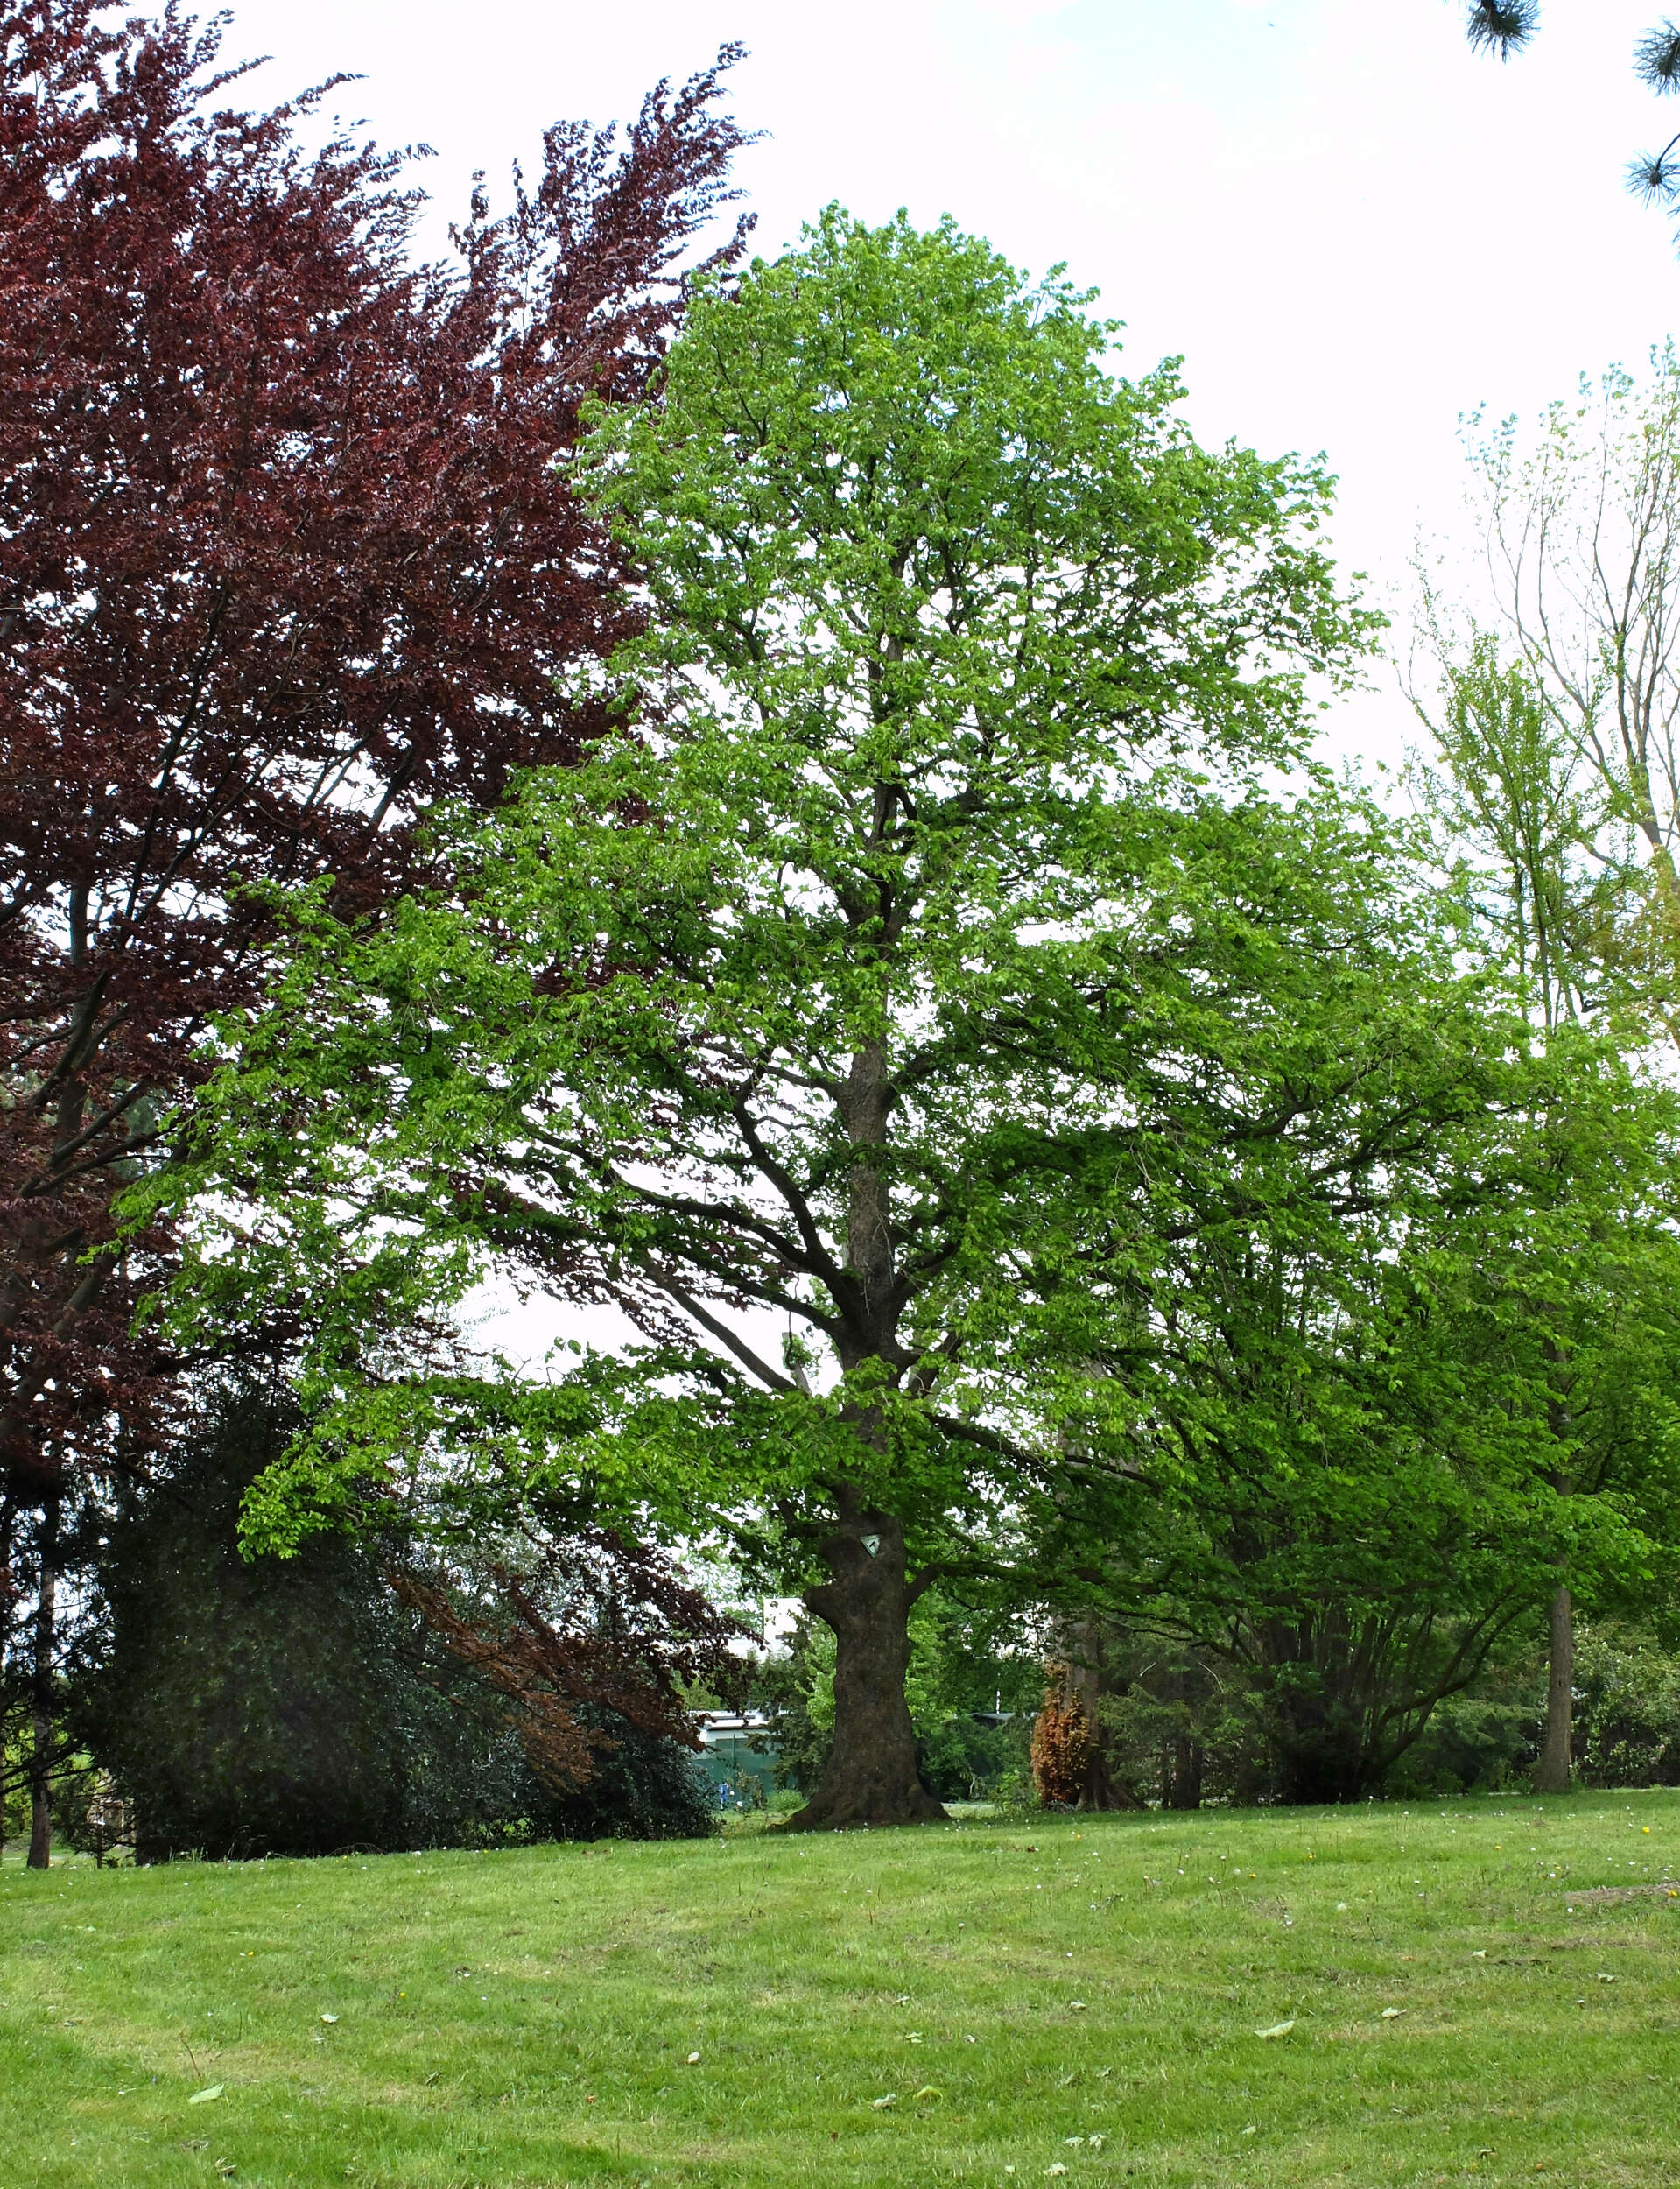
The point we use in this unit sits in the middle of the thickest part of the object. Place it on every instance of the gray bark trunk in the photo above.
(871, 1775)
(1087, 1678)
(1557, 1758)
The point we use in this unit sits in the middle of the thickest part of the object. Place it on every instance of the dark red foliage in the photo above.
(284, 554)
(602, 1621)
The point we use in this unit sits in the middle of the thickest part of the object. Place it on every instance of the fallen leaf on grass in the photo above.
(1057, 2169)
(693, 2059)
(881, 2104)
(329, 2018)
(1277, 2029)
(203, 2097)
(928, 2090)
(1075, 2006)
(1392, 2014)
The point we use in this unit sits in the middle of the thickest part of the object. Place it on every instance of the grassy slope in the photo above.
(527, 2017)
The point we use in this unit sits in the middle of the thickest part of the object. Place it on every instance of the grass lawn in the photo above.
(1481, 1991)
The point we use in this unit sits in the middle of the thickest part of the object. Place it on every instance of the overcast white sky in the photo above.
(1350, 227)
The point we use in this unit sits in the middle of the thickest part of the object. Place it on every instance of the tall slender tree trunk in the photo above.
(1556, 1758)
(871, 1775)
(40, 1822)
(7, 1600)
(1087, 1676)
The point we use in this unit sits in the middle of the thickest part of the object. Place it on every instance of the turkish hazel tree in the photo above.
(921, 936)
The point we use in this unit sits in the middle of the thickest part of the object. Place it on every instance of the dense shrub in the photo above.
(1479, 1743)
(1627, 1710)
(966, 1758)
(294, 1707)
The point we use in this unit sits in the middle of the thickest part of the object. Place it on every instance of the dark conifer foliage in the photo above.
(1501, 27)
(284, 554)
(1505, 27)
(333, 1699)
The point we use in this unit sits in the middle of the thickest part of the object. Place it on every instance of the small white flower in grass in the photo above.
(693, 2059)
(1095, 2141)
(1341, 1907)
(1075, 2006)
(1057, 2169)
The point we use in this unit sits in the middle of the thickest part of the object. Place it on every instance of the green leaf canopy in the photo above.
(946, 935)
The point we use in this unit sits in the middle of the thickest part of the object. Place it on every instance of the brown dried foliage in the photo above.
(1062, 1742)
(601, 1621)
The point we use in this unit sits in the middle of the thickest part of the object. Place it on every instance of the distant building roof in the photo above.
(730, 1725)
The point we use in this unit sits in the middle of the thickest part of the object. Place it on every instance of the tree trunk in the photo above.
(1552, 1774)
(871, 1775)
(40, 1822)
(1183, 1787)
(1088, 1678)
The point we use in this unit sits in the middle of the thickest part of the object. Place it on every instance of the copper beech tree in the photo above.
(285, 555)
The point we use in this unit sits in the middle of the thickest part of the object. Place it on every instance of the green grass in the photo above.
(528, 2017)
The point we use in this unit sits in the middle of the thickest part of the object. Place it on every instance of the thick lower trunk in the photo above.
(41, 1821)
(871, 1775)
(1552, 1773)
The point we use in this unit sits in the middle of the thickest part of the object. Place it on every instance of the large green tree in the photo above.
(950, 920)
